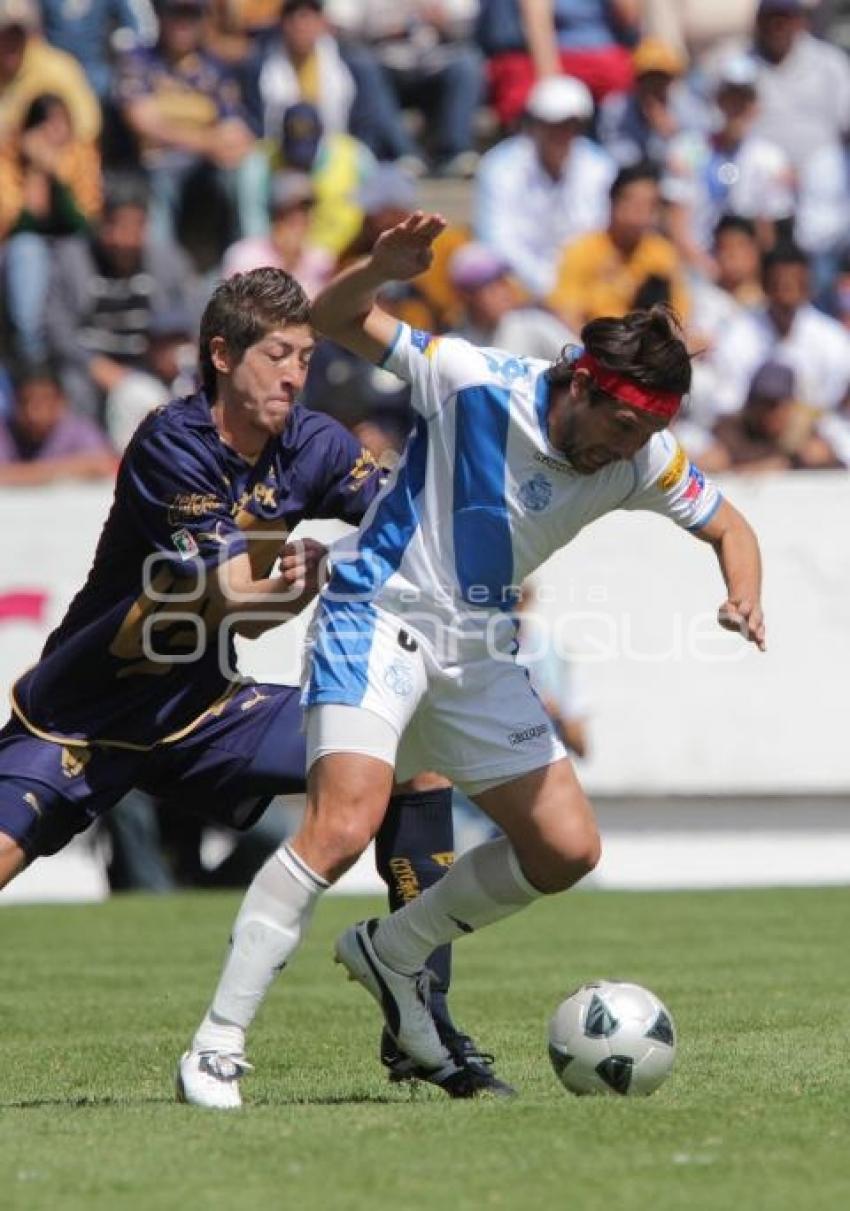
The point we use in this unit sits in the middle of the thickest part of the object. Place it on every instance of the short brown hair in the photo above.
(243, 309)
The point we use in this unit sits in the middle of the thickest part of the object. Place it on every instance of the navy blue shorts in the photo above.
(227, 770)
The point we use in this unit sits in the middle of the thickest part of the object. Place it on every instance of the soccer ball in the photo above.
(612, 1037)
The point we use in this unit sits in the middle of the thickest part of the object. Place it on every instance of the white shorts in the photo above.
(479, 723)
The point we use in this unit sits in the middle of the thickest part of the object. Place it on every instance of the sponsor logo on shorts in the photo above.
(185, 543)
(399, 679)
(536, 493)
(34, 802)
(528, 733)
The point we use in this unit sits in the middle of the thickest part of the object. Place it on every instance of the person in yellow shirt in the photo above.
(29, 68)
(625, 266)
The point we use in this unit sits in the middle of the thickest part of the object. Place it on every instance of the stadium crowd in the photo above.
(611, 154)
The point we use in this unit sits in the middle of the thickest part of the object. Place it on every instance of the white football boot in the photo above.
(206, 1078)
(402, 998)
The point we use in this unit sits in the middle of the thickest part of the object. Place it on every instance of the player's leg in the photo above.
(276, 910)
(498, 743)
(49, 792)
(12, 859)
(414, 848)
(550, 842)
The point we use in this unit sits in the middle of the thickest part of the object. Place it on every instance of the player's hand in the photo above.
(405, 251)
(303, 564)
(746, 618)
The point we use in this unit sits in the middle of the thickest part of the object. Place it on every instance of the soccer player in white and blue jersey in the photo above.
(411, 656)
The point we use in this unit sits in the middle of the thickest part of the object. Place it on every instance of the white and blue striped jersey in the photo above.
(481, 498)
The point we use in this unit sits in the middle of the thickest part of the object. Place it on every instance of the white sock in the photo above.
(484, 885)
(268, 929)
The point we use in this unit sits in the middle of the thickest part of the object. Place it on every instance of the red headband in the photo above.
(627, 391)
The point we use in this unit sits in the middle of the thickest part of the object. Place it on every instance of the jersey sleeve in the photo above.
(179, 501)
(436, 367)
(352, 478)
(667, 482)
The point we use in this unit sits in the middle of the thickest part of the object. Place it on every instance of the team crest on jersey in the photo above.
(674, 470)
(399, 679)
(536, 493)
(185, 543)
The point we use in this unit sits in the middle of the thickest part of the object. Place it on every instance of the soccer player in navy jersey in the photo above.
(138, 684)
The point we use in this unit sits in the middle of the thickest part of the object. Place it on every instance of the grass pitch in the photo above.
(96, 1004)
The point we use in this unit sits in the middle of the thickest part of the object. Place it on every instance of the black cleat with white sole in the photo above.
(474, 1076)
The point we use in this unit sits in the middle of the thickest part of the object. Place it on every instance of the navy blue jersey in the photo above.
(136, 660)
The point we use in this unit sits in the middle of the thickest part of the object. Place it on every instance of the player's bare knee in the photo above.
(12, 859)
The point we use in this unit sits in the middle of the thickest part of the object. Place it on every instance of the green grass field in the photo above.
(97, 1002)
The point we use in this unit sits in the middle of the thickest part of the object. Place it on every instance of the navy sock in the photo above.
(413, 849)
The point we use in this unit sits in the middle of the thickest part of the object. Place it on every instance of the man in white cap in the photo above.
(540, 189)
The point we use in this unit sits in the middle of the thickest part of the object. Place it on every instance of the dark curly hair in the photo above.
(646, 346)
(243, 309)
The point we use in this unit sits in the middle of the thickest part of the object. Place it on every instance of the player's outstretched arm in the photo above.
(346, 310)
(737, 550)
(253, 607)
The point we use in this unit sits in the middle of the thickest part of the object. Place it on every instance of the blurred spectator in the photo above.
(103, 291)
(429, 301)
(840, 295)
(493, 315)
(803, 82)
(87, 29)
(731, 171)
(624, 266)
(714, 307)
(167, 371)
(236, 27)
(186, 111)
(736, 253)
(770, 432)
(789, 330)
(696, 28)
(287, 246)
(528, 40)
(414, 54)
(639, 125)
(539, 190)
(30, 68)
(50, 187)
(44, 441)
(338, 165)
(822, 226)
(302, 64)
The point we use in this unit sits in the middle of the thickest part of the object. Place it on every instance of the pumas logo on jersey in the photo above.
(74, 761)
(399, 679)
(536, 493)
(34, 802)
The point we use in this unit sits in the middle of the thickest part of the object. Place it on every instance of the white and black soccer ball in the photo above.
(612, 1037)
